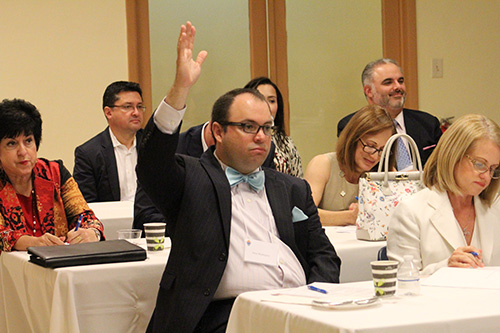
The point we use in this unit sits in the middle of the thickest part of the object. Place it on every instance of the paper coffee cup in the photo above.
(384, 274)
(155, 235)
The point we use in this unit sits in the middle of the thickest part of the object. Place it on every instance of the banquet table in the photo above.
(114, 215)
(355, 254)
(436, 309)
(117, 297)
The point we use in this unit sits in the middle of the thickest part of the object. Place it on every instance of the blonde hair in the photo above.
(454, 144)
(368, 120)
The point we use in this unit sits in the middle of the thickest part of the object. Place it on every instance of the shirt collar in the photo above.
(203, 142)
(401, 121)
(117, 143)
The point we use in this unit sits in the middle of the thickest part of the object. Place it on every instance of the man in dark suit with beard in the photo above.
(234, 225)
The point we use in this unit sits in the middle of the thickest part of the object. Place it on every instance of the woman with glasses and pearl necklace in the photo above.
(453, 221)
(334, 176)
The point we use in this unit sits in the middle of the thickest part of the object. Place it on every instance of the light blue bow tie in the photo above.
(255, 180)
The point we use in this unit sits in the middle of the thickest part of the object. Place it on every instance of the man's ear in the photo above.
(217, 131)
(107, 112)
(368, 91)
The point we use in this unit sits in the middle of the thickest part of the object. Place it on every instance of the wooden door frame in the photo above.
(139, 54)
(267, 20)
(399, 38)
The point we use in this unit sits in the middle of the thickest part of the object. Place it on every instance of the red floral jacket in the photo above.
(58, 200)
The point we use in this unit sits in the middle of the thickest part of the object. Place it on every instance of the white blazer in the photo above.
(425, 227)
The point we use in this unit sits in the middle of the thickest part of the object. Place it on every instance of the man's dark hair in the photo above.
(20, 117)
(220, 110)
(111, 93)
(221, 106)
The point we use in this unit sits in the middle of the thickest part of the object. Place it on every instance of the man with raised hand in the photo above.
(234, 225)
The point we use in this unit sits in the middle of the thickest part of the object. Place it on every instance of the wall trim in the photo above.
(139, 54)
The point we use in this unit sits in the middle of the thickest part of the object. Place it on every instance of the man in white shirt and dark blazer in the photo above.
(105, 165)
(226, 239)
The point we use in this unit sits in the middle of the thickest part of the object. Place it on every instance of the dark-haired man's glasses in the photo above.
(370, 149)
(252, 128)
(129, 108)
(481, 167)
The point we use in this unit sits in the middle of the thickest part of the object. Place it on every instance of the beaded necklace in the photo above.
(33, 200)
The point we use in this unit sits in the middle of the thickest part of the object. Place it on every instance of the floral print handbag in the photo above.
(381, 191)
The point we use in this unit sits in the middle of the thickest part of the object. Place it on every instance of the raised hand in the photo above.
(188, 70)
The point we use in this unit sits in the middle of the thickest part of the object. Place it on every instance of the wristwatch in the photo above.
(97, 233)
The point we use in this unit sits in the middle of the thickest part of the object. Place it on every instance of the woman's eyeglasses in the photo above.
(370, 149)
(481, 167)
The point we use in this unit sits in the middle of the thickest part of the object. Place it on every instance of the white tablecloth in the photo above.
(97, 298)
(114, 215)
(438, 309)
(116, 297)
(355, 254)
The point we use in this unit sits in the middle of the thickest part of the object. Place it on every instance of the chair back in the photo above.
(382, 253)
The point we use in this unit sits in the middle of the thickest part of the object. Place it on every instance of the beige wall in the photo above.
(60, 55)
(329, 43)
(324, 39)
(222, 29)
(465, 34)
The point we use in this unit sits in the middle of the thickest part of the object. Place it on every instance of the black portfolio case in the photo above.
(86, 253)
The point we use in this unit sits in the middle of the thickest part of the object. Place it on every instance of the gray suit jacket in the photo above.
(195, 196)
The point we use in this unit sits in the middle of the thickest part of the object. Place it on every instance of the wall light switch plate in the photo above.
(437, 68)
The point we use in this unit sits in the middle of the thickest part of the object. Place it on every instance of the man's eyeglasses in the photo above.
(252, 128)
(370, 149)
(481, 167)
(129, 108)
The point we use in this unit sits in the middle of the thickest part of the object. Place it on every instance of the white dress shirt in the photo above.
(203, 141)
(126, 160)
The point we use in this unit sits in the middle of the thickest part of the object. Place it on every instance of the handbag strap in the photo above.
(384, 159)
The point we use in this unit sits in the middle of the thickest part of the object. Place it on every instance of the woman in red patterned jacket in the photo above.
(40, 203)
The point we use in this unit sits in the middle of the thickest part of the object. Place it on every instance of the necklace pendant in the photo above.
(342, 193)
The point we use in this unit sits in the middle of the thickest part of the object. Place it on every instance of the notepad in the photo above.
(480, 278)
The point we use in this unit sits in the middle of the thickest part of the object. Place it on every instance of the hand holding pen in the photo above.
(73, 236)
(79, 222)
(467, 256)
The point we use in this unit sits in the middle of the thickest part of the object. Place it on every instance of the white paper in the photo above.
(481, 278)
(335, 293)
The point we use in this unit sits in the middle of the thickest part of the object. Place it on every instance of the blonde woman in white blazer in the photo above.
(452, 222)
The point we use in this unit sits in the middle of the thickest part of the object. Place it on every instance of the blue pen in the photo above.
(356, 198)
(475, 254)
(79, 222)
(319, 290)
